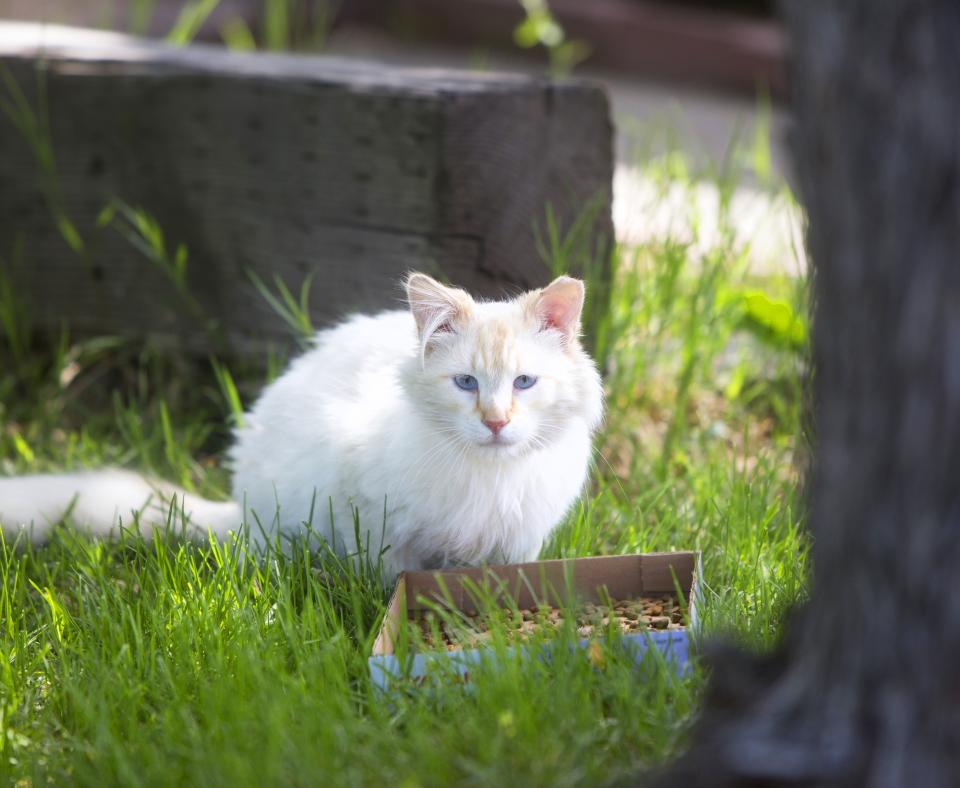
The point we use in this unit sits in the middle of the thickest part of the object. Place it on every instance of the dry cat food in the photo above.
(628, 615)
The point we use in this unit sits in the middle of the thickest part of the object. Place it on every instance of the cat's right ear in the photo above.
(436, 308)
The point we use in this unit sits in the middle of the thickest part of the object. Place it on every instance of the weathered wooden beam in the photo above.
(284, 165)
(154, 19)
(681, 42)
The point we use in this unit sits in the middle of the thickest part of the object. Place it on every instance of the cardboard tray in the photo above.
(620, 577)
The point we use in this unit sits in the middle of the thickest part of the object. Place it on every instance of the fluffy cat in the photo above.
(460, 432)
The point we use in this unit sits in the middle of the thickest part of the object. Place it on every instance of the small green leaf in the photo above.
(775, 317)
(106, 214)
(23, 448)
(169, 444)
(69, 233)
(525, 34)
(190, 20)
(549, 33)
(237, 36)
(761, 157)
(229, 390)
(276, 25)
(735, 386)
(180, 264)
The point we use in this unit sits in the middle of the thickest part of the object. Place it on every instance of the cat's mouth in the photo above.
(498, 442)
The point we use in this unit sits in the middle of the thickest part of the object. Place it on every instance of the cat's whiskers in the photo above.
(428, 459)
(547, 430)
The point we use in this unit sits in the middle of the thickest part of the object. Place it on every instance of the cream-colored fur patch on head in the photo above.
(437, 309)
(505, 377)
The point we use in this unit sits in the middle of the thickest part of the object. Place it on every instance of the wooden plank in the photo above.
(284, 165)
(645, 38)
(122, 15)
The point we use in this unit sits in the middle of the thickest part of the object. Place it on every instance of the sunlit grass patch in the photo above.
(165, 661)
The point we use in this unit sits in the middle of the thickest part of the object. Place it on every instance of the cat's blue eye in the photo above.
(466, 382)
(524, 381)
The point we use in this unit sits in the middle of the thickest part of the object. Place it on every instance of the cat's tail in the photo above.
(103, 501)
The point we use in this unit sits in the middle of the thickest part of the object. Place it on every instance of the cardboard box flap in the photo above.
(664, 572)
(396, 612)
(621, 577)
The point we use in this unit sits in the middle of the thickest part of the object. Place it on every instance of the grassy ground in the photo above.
(163, 663)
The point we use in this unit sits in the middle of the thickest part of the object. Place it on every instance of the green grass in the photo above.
(172, 663)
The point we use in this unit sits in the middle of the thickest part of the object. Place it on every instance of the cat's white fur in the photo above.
(370, 421)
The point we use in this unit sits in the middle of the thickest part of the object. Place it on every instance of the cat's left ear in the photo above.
(559, 305)
(436, 308)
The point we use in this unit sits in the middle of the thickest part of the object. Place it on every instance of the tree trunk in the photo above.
(866, 689)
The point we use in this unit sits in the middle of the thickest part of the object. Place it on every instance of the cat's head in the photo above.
(502, 376)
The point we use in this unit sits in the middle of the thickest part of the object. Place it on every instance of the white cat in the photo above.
(459, 431)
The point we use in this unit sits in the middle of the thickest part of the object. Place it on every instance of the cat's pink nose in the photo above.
(496, 426)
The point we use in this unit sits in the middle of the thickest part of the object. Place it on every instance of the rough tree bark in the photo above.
(866, 690)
